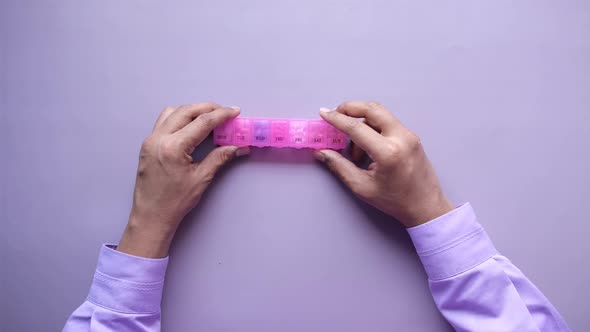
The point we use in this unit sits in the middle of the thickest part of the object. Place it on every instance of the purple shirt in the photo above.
(474, 287)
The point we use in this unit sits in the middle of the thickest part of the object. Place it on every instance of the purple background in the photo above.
(498, 90)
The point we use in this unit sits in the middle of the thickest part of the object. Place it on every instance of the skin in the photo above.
(400, 180)
(169, 182)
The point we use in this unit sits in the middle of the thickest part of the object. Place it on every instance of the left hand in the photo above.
(169, 182)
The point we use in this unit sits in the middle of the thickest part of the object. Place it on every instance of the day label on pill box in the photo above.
(261, 132)
(279, 133)
(297, 133)
(242, 132)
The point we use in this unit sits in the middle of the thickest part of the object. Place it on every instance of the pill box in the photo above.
(279, 133)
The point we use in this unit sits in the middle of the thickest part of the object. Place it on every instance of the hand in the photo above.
(400, 181)
(169, 182)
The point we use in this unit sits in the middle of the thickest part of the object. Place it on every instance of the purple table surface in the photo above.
(498, 90)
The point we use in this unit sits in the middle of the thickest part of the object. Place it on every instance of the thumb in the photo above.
(353, 177)
(217, 158)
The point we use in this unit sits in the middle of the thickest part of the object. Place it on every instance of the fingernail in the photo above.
(324, 110)
(237, 108)
(243, 151)
(319, 155)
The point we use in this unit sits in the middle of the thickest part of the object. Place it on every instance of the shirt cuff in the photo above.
(452, 243)
(128, 284)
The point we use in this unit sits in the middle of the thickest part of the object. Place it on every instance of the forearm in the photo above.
(474, 287)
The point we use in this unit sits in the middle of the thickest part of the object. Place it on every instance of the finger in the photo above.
(361, 134)
(376, 115)
(356, 153)
(216, 159)
(197, 130)
(163, 116)
(184, 115)
(353, 177)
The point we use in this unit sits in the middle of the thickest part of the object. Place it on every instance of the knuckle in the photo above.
(207, 177)
(168, 109)
(329, 161)
(223, 157)
(333, 166)
(373, 105)
(141, 171)
(326, 158)
(346, 104)
(145, 155)
(226, 156)
(206, 106)
(391, 153)
(148, 147)
(182, 108)
(351, 124)
(413, 141)
(169, 149)
(392, 149)
(147, 144)
(207, 119)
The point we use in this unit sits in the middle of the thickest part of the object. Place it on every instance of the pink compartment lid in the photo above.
(280, 133)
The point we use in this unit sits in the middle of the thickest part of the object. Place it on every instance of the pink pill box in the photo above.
(280, 133)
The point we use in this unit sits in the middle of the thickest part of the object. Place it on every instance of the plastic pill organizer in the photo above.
(280, 133)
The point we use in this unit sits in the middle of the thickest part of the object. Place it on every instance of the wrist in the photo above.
(146, 239)
(424, 213)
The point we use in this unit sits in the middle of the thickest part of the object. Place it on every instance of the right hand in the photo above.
(400, 180)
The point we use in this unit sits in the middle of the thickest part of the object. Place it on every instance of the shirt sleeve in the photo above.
(125, 295)
(474, 287)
